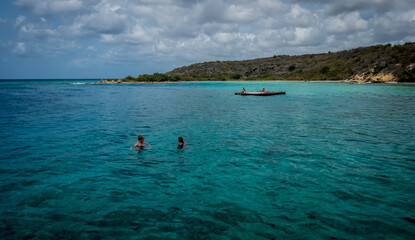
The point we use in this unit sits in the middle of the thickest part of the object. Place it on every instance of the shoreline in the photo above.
(312, 81)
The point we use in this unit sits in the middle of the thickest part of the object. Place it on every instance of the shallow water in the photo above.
(326, 160)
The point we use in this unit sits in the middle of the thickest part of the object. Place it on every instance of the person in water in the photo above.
(140, 144)
(263, 90)
(181, 142)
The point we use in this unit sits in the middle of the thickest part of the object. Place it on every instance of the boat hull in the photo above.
(270, 93)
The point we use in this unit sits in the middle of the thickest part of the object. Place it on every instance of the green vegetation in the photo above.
(161, 77)
(368, 63)
(375, 63)
(236, 76)
(155, 77)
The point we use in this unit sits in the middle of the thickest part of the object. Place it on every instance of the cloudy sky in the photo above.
(116, 38)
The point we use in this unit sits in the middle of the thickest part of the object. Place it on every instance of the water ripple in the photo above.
(326, 161)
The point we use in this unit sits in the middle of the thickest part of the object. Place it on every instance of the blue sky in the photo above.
(116, 38)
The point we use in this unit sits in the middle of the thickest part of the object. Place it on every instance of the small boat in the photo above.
(269, 93)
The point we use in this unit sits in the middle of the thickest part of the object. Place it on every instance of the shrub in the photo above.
(155, 77)
(219, 78)
(236, 76)
(406, 76)
(176, 78)
(324, 70)
(129, 78)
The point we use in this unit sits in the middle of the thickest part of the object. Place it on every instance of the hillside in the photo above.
(380, 63)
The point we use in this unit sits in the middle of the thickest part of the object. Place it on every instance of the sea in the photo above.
(326, 160)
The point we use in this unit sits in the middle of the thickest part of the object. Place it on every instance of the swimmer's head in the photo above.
(180, 139)
(140, 138)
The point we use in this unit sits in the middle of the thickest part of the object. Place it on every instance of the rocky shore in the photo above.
(109, 81)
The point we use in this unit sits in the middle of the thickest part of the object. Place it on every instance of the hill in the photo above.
(381, 63)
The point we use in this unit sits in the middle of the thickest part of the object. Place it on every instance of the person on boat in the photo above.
(140, 144)
(181, 143)
(243, 90)
(263, 90)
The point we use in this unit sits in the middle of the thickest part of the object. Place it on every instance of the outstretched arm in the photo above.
(135, 145)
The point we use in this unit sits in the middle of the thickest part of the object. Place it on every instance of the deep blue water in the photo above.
(326, 160)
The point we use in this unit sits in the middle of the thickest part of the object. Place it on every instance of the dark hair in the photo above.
(140, 137)
(180, 139)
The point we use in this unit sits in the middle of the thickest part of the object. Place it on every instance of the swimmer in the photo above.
(140, 144)
(181, 142)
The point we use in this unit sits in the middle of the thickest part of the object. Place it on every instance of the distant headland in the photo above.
(376, 64)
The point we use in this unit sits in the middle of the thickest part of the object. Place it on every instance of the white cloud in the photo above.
(33, 32)
(91, 48)
(138, 34)
(104, 23)
(346, 23)
(105, 18)
(357, 5)
(300, 17)
(142, 10)
(19, 20)
(394, 28)
(210, 11)
(212, 28)
(405, 16)
(45, 7)
(270, 7)
(184, 30)
(241, 13)
(306, 37)
(20, 48)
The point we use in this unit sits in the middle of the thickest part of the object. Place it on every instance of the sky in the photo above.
(55, 39)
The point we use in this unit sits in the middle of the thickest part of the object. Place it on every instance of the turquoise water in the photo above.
(326, 160)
